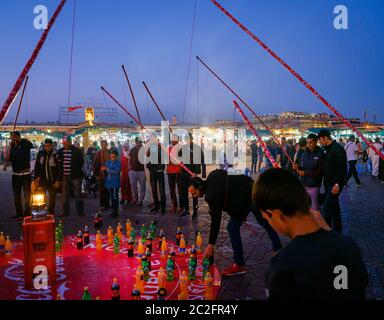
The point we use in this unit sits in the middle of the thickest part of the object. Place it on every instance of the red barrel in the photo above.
(39, 249)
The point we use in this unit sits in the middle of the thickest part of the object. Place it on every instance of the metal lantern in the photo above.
(38, 205)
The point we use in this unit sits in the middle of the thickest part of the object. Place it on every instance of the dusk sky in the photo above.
(152, 39)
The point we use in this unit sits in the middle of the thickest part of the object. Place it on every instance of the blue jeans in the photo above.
(233, 228)
(114, 195)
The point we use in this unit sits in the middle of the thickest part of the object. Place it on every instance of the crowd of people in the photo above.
(300, 200)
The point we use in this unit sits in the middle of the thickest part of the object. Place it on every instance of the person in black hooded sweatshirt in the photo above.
(232, 194)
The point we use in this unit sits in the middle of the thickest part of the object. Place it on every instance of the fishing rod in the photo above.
(248, 107)
(15, 123)
(132, 94)
(157, 106)
(253, 130)
(298, 77)
(174, 160)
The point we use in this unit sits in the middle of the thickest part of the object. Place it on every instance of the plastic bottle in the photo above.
(8, 247)
(143, 233)
(130, 247)
(199, 243)
(98, 221)
(135, 293)
(161, 278)
(170, 269)
(86, 294)
(128, 227)
(206, 267)
(178, 236)
(116, 244)
(119, 230)
(164, 247)
(208, 284)
(148, 255)
(86, 235)
(139, 279)
(184, 287)
(145, 267)
(99, 241)
(115, 290)
(152, 229)
(79, 240)
(192, 268)
(149, 242)
(182, 245)
(2, 243)
(110, 236)
(140, 249)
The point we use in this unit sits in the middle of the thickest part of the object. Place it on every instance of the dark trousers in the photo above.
(185, 182)
(233, 228)
(173, 180)
(22, 184)
(114, 195)
(103, 193)
(75, 184)
(254, 165)
(352, 172)
(51, 190)
(157, 181)
(331, 211)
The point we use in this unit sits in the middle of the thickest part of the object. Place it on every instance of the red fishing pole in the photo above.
(6, 107)
(253, 130)
(132, 94)
(248, 107)
(298, 77)
(157, 106)
(177, 161)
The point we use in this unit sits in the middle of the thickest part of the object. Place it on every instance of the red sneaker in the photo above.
(234, 270)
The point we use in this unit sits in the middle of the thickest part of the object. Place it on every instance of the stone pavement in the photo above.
(363, 220)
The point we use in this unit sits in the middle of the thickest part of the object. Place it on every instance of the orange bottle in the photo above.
(128, 227)
(184, 287)
(208, 284)
(139, 279)
(119, 230)
(161, 279)
(140, 248)
(164, 247)
(110, 236)
(182, 245)
(2, 243)
(199, 243)
(8, 246)
(99, 241)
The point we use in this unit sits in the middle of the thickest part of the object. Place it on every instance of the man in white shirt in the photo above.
(375, 157)
(352, 151)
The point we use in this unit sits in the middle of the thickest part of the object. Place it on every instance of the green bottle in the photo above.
(86, 294)
(116, 244)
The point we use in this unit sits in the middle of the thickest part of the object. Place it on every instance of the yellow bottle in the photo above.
(140, 248)
(99, 241)
(164, 247)
(8, 246)
(184, 287)
(208, 284)
(110, 236)
(139, 279)
(182, 245)
(128, 226)
(199, 243)
(119, 231)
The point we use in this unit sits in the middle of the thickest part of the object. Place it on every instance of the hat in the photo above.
(138, 139)
(67, 139)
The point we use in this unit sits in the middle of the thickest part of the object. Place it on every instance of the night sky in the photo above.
(152, 39)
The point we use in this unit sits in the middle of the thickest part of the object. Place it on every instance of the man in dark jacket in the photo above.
(310, 169)
(156, 166)
(233, 194)
(334, 172)
(47, 173)
(71, 170)
(192, 157)
(19, 155)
